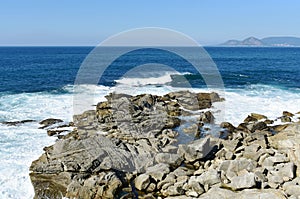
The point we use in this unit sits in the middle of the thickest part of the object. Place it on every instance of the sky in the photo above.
(81, 23)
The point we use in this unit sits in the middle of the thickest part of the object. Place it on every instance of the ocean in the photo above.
(38, 83)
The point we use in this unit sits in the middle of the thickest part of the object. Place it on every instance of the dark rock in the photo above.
(228, 126)
(250, 119)
(287, 114)
(285, 119)
(48, 122)
(258, 116)
(278, 128)
(14, 123)
(52, 132)
(257, 126)
(206, 117)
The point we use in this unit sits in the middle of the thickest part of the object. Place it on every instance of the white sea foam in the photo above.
(22, 144)
(267, 100)
(153, 78)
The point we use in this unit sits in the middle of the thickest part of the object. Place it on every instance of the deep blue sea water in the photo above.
(36, 83)
(33, 69)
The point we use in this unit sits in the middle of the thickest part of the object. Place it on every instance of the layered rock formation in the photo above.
(131, 147)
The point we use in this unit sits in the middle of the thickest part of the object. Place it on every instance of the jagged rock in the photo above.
(249, 119)
(209, 178)
(129, 142)
(258, 116)
(158, 171)
(228, 126)
(142, 182)
(285, 119)
(271, 161)
(230, 145)
(48, 122)
(278, 128)
(179, 197)
(257, 126)
(267, 121)
(52, 132)
(281, 173)
(206, 117)
(194, 185)
(50, 185)
(232, 168)
(220, 193)
(195, 150)
(292, 188)
(168, 180)
(287, 114)
(174, 160)
(96, 186)
(192, 129)
(251, 152)
(243, 181)
(174, 190)
(183, 171)
(288, 138)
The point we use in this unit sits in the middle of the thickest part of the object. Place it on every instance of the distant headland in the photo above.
(268, 41)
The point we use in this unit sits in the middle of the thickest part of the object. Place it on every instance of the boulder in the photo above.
(292, 188)
(285, 119)
(209, 178)
(158, 171)
(257, 126)
(287, 114)
(221, 193)
(249, 119)
(258, 116)
(228, 126)
(48, 122)
(174, 160)
(195, 150)
(142, 181)
(232, 168)
(206, 117)
(243, 181)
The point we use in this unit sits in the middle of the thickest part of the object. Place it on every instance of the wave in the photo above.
(149, 80)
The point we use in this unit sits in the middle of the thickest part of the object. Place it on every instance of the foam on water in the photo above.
(153, 78)
(268, 100)
(22, 144)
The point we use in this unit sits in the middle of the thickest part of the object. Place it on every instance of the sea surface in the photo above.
(38, 83)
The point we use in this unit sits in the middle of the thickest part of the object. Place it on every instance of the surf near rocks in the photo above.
(129, 147)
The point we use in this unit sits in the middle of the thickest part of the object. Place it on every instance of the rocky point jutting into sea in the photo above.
(131, 147)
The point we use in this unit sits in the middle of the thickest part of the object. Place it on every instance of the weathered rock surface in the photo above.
(129, 148)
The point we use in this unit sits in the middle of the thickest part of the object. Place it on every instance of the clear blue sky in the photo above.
(71, 22)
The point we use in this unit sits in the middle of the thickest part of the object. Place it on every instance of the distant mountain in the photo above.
(281, 41)
(268, 41)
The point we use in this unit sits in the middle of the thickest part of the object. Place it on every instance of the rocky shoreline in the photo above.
(133, 147)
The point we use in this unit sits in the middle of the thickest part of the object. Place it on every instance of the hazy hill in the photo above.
(275, 41)
(268, 41)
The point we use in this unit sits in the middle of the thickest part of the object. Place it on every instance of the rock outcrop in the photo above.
(130, 147)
